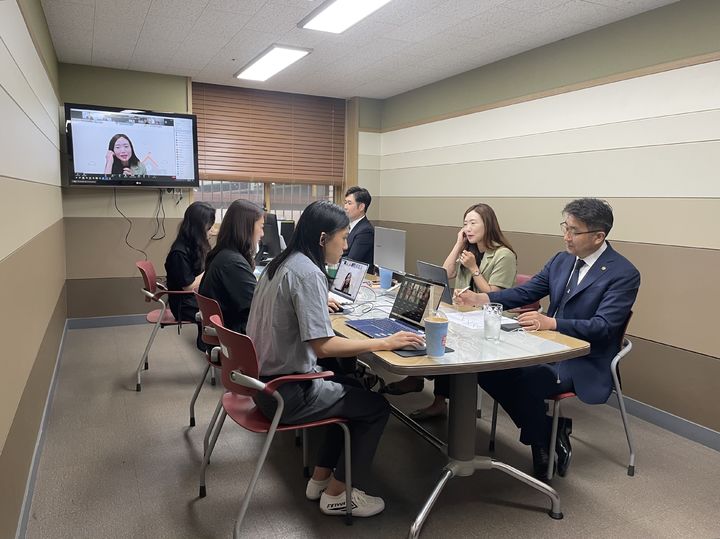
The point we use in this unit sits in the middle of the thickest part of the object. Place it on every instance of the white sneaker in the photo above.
(315, 488)
(364, 505)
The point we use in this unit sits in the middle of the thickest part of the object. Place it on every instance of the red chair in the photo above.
(521, 279)
(239, 375)
(154, 291)
(625, 348)
(208, 307)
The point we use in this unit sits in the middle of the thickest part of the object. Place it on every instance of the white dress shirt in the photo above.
(590, 260)
(356, 221)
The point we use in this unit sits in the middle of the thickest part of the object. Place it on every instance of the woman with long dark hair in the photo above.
(481, 260)
(290, 326)
(121, 158)
(185, 262)
(229, 277)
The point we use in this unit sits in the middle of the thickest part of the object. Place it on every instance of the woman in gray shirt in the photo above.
(290, 326)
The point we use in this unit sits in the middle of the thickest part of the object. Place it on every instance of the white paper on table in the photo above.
(472, 319)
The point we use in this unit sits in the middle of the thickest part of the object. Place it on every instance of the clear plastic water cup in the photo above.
(492, 317)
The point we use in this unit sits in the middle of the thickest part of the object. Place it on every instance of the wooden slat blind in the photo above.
(256, 135)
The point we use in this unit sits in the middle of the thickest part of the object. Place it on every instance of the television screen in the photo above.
(120, 147)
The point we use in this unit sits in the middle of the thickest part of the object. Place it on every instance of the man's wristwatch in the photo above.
(476, 273)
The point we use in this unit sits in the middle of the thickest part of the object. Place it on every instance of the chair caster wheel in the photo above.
(555, 516)
(203, 492)
(192, 421)
(138, 388)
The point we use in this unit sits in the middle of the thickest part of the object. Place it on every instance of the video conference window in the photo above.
(109, 146)
(349, 278)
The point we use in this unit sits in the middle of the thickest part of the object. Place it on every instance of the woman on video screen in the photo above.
(121, 159)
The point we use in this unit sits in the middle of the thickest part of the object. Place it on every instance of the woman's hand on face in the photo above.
(468, 260)
(461, 236)
(109, 157)
(401, 339)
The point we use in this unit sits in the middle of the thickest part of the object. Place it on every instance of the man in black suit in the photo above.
(592, 288)
(361, 241)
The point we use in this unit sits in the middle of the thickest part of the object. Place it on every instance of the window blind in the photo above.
(257, 135)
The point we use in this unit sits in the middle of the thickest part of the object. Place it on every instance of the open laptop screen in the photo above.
(412, 302)
(349, 278)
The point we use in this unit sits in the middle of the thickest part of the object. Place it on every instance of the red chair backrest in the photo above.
(520, 279)
(147, 270)
(208, 308)
(237, 353)
(149, 276)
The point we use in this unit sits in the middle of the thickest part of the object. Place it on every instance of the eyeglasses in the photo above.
(566, 230)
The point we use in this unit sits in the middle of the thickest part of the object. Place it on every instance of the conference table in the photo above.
(472, 354)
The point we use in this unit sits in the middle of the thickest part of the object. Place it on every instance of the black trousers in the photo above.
(367, 414)
(522, 393)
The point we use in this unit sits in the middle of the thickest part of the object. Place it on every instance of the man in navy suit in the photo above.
(592, 289)
(361, 241)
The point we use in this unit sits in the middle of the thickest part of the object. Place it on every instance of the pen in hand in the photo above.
(459, 292)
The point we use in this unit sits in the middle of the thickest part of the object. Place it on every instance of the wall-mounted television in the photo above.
(109, 146)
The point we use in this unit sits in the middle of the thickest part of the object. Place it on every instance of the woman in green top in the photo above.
(121, 159)
(481, 259)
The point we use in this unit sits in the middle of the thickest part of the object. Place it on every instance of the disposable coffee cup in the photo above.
(436, 330)
(385, 278)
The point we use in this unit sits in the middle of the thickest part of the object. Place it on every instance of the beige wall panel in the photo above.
(369, 143)
(675, 380)
(34, 15)
(26, 209)
(16, 38)
(107, 297)
(685, 170)
(370, 180)
(96, 247)
(660, 268)
(366, 161)
(13, 81)
(543, 215)
(680, 91)
(17, 453)
(99, 202)
(36, 276)
(676, 129)
(30, 155)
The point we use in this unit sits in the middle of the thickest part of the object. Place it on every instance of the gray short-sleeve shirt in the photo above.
(286, 312)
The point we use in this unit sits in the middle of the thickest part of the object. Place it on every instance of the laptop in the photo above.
(348, 280)
(408, 312)
(438, 274)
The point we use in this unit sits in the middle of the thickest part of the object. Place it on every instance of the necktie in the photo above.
(570, 288)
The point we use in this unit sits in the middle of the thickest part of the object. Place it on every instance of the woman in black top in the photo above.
(185, 262)
(229, 277)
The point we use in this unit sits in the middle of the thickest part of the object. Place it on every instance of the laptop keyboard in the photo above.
(385, 326)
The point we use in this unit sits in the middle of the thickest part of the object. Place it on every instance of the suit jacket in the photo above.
(361, 242)
(595, 312)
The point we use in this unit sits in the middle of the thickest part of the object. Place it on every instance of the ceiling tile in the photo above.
(188, 10)
(404, 45)
(134, 10)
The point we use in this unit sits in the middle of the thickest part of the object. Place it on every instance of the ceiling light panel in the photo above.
(337, 16)
(271, 61)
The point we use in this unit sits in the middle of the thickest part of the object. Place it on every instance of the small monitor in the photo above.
(390, 249)
(270, 242)
(286, 230)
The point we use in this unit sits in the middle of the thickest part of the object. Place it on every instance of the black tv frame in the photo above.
(135, 182)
